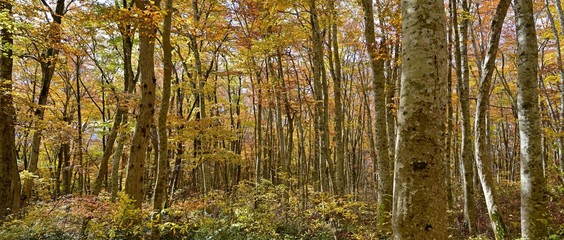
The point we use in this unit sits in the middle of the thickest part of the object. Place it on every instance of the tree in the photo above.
(324, 164)
(136, 165)
(121, 115)
(336, 73)
(9, 176)
(561, 139)
(378, 83)
(463, 85)
(534, 217)
(420, 198)
(48, 63)
(483, 161)
(160, 193)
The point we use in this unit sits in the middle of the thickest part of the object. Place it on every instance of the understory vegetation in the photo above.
(249, 211)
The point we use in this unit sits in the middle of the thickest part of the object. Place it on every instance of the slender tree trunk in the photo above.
(160, 193)
(83, 167)
(379, 83)
(339, 120)
(463, 83)
(322, 101)
(561, 140)
(534, 215)
(420, 197)
(129, 86)
(47, 71)
(482, 155)
(118, 154)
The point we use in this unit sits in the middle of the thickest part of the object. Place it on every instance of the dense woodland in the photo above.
(281, 119)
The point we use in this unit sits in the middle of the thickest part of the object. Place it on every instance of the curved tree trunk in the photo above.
(483, 161)
(47, 71)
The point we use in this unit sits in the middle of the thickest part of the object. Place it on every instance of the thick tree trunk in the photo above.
(9, 176)
(384, 163)
(420, 197)
(136, 165)
(534, 215)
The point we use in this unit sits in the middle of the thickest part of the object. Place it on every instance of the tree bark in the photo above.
(141, 137)
(339, 119)
(379, 83)
(47, 70)
(9, 175)
(534, 215)
(483, 160)
(561, 140)
(463, 84)
(326, 169)
(420, 197)
(129, 79)
(160, 192)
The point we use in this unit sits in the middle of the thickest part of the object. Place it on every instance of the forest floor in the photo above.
(248, 212)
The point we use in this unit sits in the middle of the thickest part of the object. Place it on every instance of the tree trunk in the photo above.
(534, 215)
(326, 170)
(561, 139)
(83, 167)
(379, 82)
(339, 119)
(47, 71)
(463, 82)
(420, 197)
(160, 193)
(483, 160)
(9, 176)
(141, 137)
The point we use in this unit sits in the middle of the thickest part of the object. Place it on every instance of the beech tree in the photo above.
(483, 157)
(379, 83)
(420, 200)
(463, 85)
(322, 119)
(533, 184)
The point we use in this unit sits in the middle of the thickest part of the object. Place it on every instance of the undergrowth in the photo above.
(249, 211)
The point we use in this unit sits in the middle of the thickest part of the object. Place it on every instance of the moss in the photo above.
(500, 229)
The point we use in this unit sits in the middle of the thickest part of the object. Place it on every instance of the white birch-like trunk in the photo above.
(534, 219)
